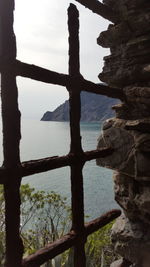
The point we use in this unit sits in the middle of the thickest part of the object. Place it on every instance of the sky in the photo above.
(42, 39)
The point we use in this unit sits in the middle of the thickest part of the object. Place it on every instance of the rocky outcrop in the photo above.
(128, 68)
(132, 241)
(59, 114)
(93, 108)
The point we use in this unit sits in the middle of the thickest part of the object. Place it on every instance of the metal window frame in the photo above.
(13, 170)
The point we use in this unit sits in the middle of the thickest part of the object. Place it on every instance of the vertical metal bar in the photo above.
(11, 136)
(76, 147)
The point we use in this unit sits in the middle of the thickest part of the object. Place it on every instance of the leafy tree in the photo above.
(45, 217)
(99, 248)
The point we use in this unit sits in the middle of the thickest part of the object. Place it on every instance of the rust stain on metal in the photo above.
(69, 240)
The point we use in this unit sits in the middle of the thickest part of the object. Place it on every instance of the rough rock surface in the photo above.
(128, 68)
(132, 240)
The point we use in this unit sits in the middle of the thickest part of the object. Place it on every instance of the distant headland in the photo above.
(94, 108)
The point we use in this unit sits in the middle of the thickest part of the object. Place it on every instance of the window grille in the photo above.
(13, 170)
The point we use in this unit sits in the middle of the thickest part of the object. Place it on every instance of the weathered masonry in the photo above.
(13, 170)
(128, 69)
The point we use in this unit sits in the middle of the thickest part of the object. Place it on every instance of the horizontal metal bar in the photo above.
(102, 89)
(98, 223)
(68, 241)
(100, 9)
(37, 73)
(95, 154)
(46, 164)
(31, 71)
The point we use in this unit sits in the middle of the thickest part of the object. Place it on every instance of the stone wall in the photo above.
(128, 68)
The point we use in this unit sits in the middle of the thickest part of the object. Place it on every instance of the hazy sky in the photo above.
(42, 39)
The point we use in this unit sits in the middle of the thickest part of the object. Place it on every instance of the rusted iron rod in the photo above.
(77, 193)
(46, 164)
(99, 153)
(100, 9)
(36, 166)
(19, 68)
(40, 74)
(98, 223)
(11, 137)
(68, 241)
(51, 163)
(102, 89)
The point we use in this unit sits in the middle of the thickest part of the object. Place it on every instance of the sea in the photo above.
(42, 139)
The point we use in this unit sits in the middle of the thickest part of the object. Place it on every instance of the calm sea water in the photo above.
(43, 139)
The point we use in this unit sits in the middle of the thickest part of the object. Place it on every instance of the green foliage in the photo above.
(99, 248)
(45, 217)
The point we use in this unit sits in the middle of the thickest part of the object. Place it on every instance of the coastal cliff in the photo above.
(93, 108)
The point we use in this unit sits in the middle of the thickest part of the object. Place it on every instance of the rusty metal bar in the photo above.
(98, 223)
(46, 164)
(102, 89)
(37, 73)
(68, 241)
(100, 9)
(11, 137)
(76, 147)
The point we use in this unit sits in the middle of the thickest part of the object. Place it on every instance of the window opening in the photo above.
(13, 170)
